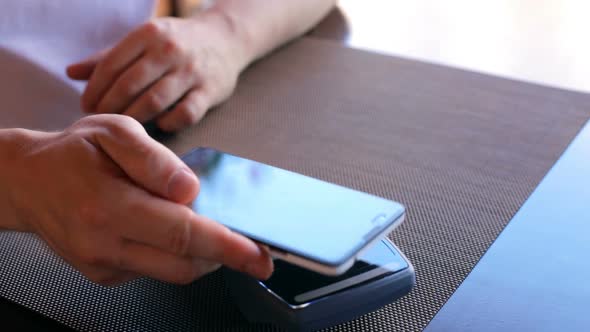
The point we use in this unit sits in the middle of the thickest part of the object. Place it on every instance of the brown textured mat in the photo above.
(461, 150)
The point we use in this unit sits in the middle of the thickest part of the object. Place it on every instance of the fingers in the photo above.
(97, 273)
(161, 265)
(154, 69)
(215, 242)
(147, 162)
(112, 65)
(136, 259)
(176, 229)
(132, 83)
(188, 111)
(84, 69)
(106, 276)
(162, 95)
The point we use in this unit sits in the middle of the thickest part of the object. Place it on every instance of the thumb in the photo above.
(147, 162)
(82, 70)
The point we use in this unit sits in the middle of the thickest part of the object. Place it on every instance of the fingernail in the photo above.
(258, 270)
(181, 184)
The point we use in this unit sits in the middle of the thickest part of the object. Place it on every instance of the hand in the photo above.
(112, 202)
(170, 69)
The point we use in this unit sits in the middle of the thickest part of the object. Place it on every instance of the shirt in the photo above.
(39, 38)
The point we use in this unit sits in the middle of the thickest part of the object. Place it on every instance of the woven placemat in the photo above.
(461, 150)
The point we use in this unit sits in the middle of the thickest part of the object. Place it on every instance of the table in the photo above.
(543, 287)
(534, 277)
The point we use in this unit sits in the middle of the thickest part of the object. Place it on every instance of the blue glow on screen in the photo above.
(300, 214)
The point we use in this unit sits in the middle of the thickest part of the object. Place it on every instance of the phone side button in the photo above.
(372, 233)
(380, 219)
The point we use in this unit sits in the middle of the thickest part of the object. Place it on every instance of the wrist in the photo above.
(235, 35)
(14, 145)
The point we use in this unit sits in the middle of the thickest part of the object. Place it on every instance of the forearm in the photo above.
(13, 144)
(261, 25)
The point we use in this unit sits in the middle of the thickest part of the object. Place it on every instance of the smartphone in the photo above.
(298, 299)
(307, 222)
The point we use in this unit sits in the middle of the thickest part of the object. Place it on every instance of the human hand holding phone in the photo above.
(112, 203)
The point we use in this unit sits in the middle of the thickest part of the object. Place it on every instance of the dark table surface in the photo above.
(534, 277)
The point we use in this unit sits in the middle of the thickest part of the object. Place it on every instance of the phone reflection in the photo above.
(296, 285)
(286, 210)
(225, 182)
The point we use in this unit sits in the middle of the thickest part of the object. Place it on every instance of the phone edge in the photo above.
(331, 270)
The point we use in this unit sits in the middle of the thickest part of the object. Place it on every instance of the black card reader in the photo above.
(302, 300)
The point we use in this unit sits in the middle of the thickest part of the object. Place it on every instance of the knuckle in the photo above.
(179, 235)
(194, 270)
(154, 101)
(186, 276)
(128, 87)
(170, 48)
(120, 127)
(92, 257)
(162, 32)
(225, 235)
(223, 238)
(101, 120)
(123, 123)
(152, 29)
(106, 279)
(191, 67)
(188, 116)
(191, 111)
(89, 122)
(81, 125)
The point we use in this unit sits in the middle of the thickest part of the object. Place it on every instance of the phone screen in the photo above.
(311, 218)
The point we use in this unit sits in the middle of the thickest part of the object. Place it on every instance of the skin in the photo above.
(106, 197)
(117, 210)
(173, 70)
